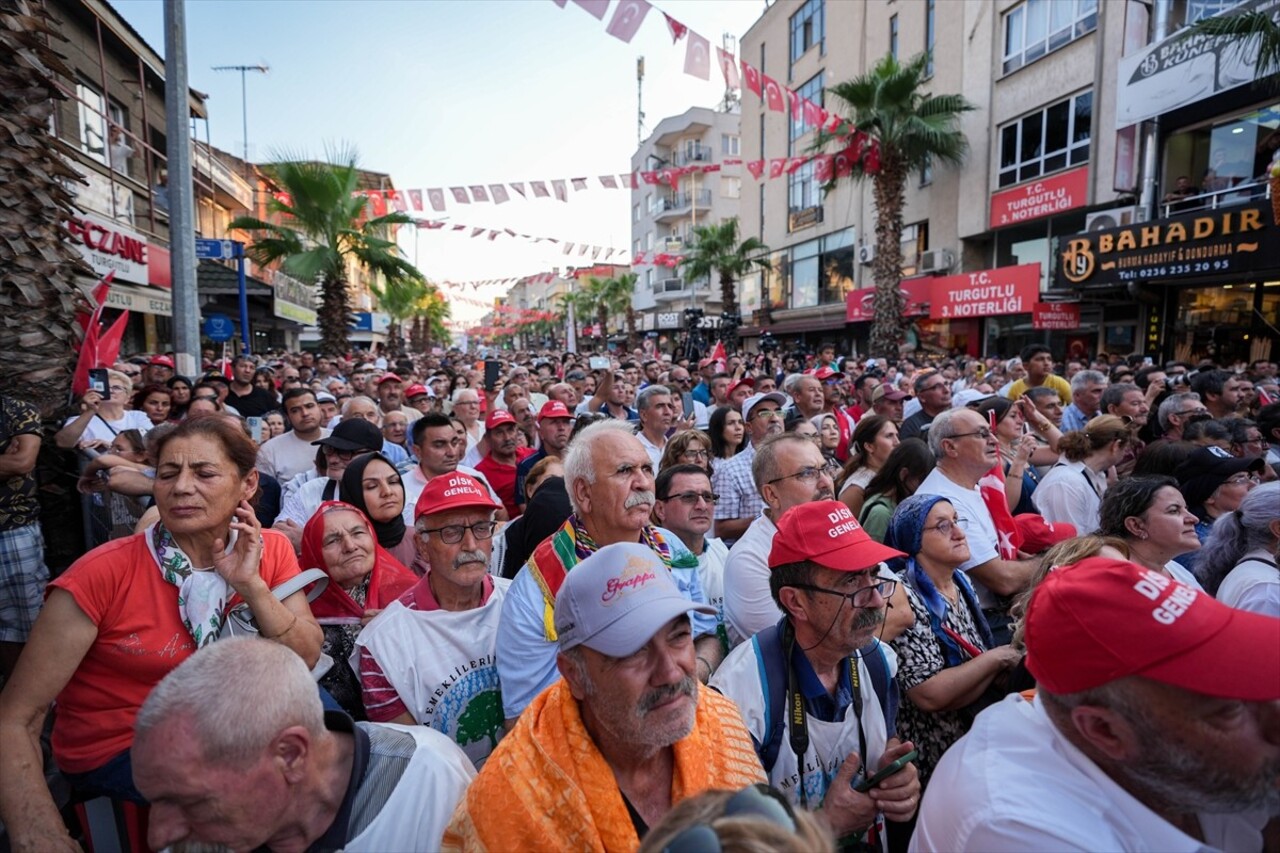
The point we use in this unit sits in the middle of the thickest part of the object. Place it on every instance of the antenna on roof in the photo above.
(639, 99)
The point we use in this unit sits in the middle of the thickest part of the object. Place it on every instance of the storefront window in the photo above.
(775, 280)
(1225, 157)
(1219, 323)
(836, 265)
(804, 275)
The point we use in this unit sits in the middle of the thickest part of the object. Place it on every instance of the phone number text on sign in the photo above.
(1169, 270)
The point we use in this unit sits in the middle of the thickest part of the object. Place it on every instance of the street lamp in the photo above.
(244, 97)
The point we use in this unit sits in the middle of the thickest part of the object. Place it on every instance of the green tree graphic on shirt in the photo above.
(483, 718)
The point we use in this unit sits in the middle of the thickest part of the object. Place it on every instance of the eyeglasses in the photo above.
(697, 454)
(946, 526)
(808, 474)
(119, 388)
(1242, 479)
(692, 498)
(862, 596)
(344, 455)
(934, 387)
(766, 414)
(451, 534)
(984, 433)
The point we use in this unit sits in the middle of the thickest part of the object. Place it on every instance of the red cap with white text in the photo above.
(498, 417)
(826, 533)
(553, 409)
(446, 492)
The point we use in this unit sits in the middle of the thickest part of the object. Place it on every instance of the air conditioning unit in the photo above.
(1116, 217)
(673, 244)
(937, 260)
(866, 255)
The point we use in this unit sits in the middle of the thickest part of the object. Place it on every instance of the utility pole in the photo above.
(244, 98)
(639, 99)
(182, 233)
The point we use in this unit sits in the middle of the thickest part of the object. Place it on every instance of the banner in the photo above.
(989, 293)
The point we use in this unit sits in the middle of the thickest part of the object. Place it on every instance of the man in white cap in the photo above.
(740, 501)
(430, 657)
(604, 753)
(1156, 726)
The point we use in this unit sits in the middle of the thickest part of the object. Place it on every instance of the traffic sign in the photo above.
(219, 328)
(216, 250)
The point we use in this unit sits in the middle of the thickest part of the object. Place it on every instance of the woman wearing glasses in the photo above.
(101, 418)
(948, 663)
(687, 447)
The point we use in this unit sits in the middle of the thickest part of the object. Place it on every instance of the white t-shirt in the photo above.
(100, 429)
(1014, 783)
(1252, 585)
(976, 521)
(301, 503)
(748, 604)
(654, 451)
(286, 456)
(711, 572)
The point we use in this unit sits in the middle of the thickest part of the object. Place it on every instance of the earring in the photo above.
(1143, 536)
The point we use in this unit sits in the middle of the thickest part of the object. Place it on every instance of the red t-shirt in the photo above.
(140, 639)
(503, 478)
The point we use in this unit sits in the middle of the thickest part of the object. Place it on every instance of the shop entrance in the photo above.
(1227, 323)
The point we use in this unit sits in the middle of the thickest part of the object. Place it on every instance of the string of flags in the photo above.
(597, 252)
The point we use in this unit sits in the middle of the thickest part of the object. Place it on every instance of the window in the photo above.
(1046, 141)
(930, 34)
(1222, 156)
(730, 187)
(804, 275)
(835, 267)
(730, 144)
(93, 122)
(893, 36)
(803, 189)
(635, 213)
(1040, 26)
(812, 90)
(915, 242)
(648, 241)
(807, 29)
(926, 170)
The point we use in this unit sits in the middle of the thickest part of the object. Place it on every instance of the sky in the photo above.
(442, 93)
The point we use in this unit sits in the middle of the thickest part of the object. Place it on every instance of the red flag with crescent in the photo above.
(677, 29)
(626, 19)
(728, 68)
(751, 78)
(697, 57)
(436, 197)
(773, 94)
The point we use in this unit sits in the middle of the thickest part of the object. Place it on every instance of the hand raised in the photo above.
(240, 567)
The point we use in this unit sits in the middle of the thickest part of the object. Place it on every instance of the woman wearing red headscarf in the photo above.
(364, 578)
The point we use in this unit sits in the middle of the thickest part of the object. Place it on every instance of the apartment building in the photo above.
(663, 217)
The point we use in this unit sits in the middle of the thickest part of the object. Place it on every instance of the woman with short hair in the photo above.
(1238, 560)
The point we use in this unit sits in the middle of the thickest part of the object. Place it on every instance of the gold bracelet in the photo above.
(285, 631)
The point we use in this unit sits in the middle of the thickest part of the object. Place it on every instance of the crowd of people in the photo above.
(524, 600)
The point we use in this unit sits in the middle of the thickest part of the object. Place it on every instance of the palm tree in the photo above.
(318, 230)
(609, 297)
(1251, 33)
(38, 294)
(429, 320)
(911, 129)
(627, 285)
(715, 248)
(399, 297)
(575, 304)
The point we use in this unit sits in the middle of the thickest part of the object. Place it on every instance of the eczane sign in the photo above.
(108, 246)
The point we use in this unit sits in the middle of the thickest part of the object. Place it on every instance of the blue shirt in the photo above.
(1074, 418)
(522, 470)
(702, 393)
(818, 703)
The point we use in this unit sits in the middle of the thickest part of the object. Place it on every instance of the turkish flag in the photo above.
(579, 184)
(793, 103)
(670, 176)
(609, 182)
(478, 193)
(650, 178)
(415, 198)
(824, 167)
(710, 167)
(728, 68)
(697, 57)
(844, 163)
(377, 205)
(795, 163)
(732, 161)
(677, 29)
(756, 168)
(499, 193)
(539, 189)
(834, 123)
(568, 247)
(519, 188)
(630, 181)
(436, 197)
(493, 235)
(823, 115)
(719, 356)
(627, 18)
(460, 195)
(777, 166)
(812, 114)
(109, 342)
(459, 228)
(773, 93)
(561, 191)
(751, 77)
(97, 299)
(596, 8)
(397, 201)
(871, 159)
(476, 232)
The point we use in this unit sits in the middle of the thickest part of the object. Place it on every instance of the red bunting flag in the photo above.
(436, 197)
(812, 114)
(627, 18)
(793, 103)
(677, 29)
(559, 3)
(596, 8)
(595, 252)
(459, 228)
(476, 232)
(460, 195)
(499, 193)
(568, 247)
(697, 57)
(629, 181)
(609, 182)
(397, 201)
(520, 189)
(844, 163)
(377, 203)
(773, 94)
(794, 163)
(777, 166)
(561, 191)
(539, 189)
(728, 68)
(751, 78)
(823, 168)
(871, 159)
(478, 193)
(650, 178)
(493, 235)
(579, 184)
(710, 167)
(756, 168)
(670, 176)
(732, 161)
(582, 250)
(833, 124)
(415, 198)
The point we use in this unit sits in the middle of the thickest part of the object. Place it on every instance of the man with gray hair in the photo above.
(966, 449)
(287, 775)
(1177, 411)
(1086, 399)
(610, 481)
(657, 414)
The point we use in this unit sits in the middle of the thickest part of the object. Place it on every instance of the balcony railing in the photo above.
(697, 154)
(1239, 194)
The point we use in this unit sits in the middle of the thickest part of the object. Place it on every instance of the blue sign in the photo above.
(219, 328)
(215, 250)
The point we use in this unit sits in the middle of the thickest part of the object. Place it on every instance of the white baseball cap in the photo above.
(755, 399)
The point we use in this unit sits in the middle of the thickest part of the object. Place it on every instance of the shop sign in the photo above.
(669, 320)
(1181, 70)
(1238, 240)
(108, 246)
(1045, 197)
(371, 321)
(293, 300)
(1055, 315)
(144, 300)
(859, 304)
(989, 293)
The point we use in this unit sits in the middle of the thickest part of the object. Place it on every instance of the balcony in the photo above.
(1239, 194)
(678, 205)
(696, 154)
(669, 289)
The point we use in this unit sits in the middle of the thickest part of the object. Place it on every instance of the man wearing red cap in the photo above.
(391, 397)
(817, 690)
(430, 657)
(1156, 726)
(555, 424)
(159, 370)
(499, 465)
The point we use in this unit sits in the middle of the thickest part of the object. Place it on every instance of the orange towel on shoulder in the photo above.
(547, 787)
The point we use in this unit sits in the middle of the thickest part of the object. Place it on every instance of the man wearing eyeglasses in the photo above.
(685, 505)
(817, 688)
(933, 392)
(430, 658)
(740, 501)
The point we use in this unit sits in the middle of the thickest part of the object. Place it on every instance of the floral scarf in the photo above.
(202, 593)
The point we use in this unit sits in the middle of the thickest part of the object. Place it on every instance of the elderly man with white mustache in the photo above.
(610, 480)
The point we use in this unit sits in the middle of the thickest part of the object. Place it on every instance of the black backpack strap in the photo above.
(330, 489)
(772, 658)
(886, 688)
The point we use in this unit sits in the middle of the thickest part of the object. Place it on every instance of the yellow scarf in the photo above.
(547, 787)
